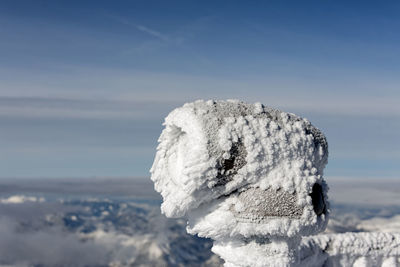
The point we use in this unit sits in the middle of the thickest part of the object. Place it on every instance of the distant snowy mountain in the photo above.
(109, 232)
(102, 223)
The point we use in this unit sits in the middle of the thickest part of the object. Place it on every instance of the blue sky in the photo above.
(85, 85)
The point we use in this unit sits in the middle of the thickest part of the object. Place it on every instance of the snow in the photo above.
(211, 153)
(354, 249)
(251, 178)
(387, 225)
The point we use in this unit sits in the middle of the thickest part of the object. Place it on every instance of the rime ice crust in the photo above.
(351, 249)
(238, 169)
(250, 177)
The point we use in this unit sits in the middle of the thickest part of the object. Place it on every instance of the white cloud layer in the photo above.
(20, 199)
(129, 87)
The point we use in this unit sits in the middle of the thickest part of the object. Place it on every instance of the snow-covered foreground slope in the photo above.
(351, 249)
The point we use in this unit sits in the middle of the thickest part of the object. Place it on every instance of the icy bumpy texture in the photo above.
(329, 250)
(242, 170)
(351, 249)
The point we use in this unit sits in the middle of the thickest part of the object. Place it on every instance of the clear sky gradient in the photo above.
(85, 85)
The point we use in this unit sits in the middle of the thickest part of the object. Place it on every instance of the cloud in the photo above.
(19, 199)
(141, 187)
(50, 247)
(365, 192)
(391, 224)
(124, 233)
(152, 33)
(111, 91)
(34, 232)
(82, 108)
(141, 28)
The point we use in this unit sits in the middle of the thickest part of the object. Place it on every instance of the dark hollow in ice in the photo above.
(227, 168)
(318, 199)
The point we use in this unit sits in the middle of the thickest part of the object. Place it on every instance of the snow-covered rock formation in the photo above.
(248, 176)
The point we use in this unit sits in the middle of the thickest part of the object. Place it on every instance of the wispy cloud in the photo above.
(82, 108)
(144, 29)
(145, 93)
(153, 33)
